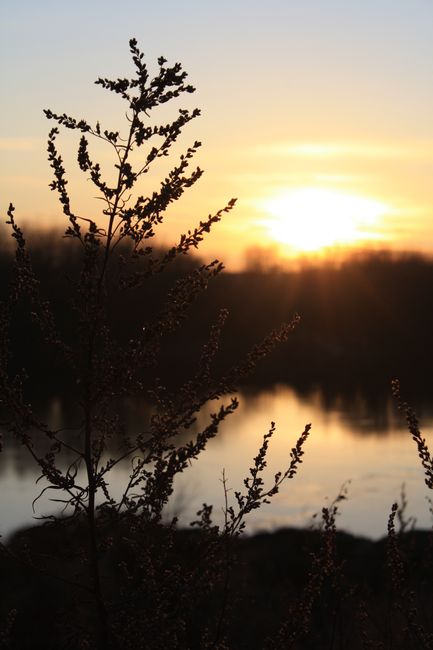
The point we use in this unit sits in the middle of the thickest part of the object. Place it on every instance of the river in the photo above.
(367, 449)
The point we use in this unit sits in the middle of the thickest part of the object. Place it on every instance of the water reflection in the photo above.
(353, 438)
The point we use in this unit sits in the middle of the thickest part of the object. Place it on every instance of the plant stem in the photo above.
(103, 633)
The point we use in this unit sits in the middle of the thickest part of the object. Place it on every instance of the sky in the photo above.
(316, 114)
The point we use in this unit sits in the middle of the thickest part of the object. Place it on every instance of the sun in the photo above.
(310, 219)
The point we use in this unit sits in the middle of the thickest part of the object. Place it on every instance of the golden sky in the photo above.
(317, 114)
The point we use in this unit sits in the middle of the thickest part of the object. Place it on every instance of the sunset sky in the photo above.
(316, 114)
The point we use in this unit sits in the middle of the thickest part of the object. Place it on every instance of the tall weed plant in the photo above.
(132, 580)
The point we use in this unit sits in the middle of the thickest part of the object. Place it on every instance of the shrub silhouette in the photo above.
(109, 572)
(131, 581)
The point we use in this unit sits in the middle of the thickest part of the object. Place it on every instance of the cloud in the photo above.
(15, 144)
(365, 150)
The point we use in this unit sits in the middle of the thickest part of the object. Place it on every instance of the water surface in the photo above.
(351, 440)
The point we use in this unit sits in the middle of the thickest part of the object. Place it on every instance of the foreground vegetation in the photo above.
(289, 589)
(108, 572)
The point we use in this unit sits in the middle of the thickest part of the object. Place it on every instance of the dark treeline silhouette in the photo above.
(363, 322)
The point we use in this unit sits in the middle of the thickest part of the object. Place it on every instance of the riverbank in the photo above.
(291, 588)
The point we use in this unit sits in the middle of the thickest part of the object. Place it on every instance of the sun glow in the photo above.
(310, 219)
